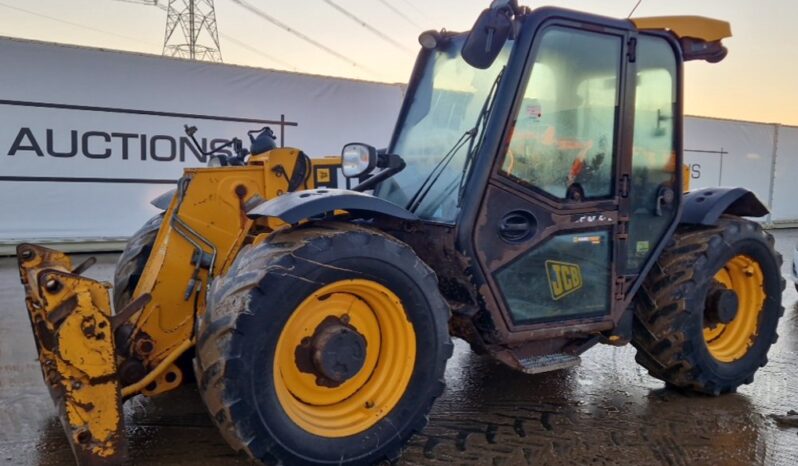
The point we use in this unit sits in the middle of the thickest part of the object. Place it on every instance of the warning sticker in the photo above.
(587, 239)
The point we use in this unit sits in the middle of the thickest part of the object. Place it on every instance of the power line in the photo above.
(156, 3)
(257, 51)
(406, 2)
(366, 25)
(289, 29)
(400, 14)
(70, 23)
(141, 2)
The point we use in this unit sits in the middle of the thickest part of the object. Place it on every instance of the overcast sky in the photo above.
(755, 82)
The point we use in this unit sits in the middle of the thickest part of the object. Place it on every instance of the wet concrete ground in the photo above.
(605, 411)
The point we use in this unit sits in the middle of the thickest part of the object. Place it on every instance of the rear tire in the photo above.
(131, 263)
(240, 336)
(676, 338)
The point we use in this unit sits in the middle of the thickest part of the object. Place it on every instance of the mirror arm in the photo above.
(395, 165)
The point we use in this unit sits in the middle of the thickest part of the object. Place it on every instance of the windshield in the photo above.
(446, 104)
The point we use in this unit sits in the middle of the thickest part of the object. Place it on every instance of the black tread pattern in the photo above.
(132, 261)
(665, 336)
(228, 310)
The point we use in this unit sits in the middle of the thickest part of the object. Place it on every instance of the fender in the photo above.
(705, 206)
(301, 205)
(162, 202)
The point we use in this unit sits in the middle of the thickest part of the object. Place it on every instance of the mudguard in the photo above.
(162, 202)
(705, 206)
(301, 205)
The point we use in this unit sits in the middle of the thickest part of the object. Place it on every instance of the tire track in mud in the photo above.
(596, 424)
(528, 440)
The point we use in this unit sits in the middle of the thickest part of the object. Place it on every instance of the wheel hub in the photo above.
(334, 354)
(339, 351)
(721, 306)
(353, 330)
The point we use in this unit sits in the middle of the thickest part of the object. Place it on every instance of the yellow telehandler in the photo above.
(530, 202)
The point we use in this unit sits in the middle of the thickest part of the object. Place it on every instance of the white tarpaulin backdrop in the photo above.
(758, 156)
(88, 137)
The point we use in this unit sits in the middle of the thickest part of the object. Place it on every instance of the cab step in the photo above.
(549, 362)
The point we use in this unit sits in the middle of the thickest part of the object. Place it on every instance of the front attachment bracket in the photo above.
(71, 320)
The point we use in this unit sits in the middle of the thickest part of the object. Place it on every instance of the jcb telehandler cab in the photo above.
(530, 202)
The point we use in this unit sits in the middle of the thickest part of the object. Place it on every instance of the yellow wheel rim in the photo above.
(358, 403)
(730, 342)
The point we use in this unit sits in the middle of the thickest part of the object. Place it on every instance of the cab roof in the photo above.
(695, 27)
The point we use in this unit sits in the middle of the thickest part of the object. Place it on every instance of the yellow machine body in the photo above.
(209, 205)
(213, 207)
(698, 27)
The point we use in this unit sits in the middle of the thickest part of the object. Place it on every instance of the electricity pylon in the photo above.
(191, 30)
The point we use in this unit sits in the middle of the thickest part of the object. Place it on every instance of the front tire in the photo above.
(260, 345)
(707, 313)
(130, 264)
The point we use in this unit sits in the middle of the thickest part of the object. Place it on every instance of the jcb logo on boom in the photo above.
(564, 278)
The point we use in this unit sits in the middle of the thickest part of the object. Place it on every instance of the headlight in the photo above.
(216, 161)
(357, 159)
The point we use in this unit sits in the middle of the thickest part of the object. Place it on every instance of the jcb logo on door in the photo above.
(564, 278)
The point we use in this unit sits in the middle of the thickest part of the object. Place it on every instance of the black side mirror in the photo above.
(490, 32)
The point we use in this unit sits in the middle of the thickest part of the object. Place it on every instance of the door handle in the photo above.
(665, 198)
(517, 226)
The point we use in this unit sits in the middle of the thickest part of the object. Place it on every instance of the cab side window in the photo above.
(564, 135)
(654, 149)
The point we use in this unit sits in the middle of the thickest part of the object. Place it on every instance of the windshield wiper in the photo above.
(469, 136)
(438, 170)
(482, 121)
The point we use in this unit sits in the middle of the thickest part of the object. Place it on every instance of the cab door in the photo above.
(549, 230)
